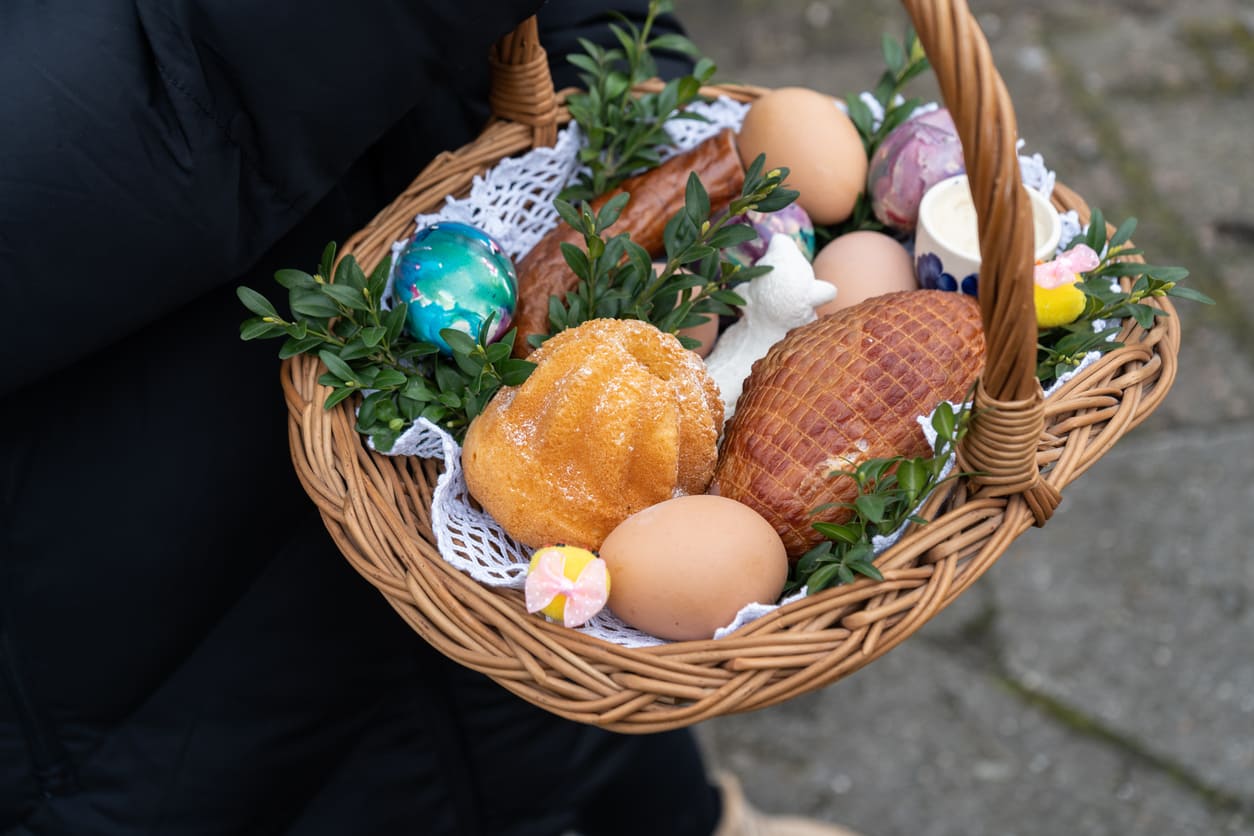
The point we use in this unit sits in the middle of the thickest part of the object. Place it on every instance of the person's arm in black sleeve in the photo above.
(152, 151)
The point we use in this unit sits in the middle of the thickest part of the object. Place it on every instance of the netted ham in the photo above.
(841, 390)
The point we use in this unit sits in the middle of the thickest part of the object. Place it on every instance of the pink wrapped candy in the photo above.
(915, 156)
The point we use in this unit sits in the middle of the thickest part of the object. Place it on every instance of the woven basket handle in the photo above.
(1009, 410)
(522, 86)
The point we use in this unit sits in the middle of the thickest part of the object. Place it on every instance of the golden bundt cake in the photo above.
(616, 416)
(843, 389)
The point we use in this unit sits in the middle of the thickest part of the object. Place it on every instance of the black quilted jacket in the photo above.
(182, 651)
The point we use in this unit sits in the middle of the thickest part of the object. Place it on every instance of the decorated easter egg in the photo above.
(453, 275)
(792, 221)
(916, 155)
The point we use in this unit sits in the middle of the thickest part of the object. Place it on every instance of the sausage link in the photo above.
(656, 196)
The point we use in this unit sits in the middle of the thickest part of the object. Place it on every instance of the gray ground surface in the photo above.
(1099, 680)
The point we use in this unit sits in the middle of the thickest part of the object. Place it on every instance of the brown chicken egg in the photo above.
(807, 132)
(706, 333)
(863, 264)
(683, 568)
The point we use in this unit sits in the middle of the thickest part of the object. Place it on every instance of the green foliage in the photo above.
(617, 277)
(888, 492)
(623, 133)
(904, 61)
(1061, 349)
(365, 350)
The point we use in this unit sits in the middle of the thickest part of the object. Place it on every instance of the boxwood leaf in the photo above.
(292, 346)
(378, 283)
(256, 303)
(294, 278)
(312, 304)
(394, 321)
(336, 366)
(459, 341)
(336, 396)
(514, 372)
(871, 506)
(389, 379)
(844, 533)
(823, 577)
(349, 274)
(256, 328)
(349, 297)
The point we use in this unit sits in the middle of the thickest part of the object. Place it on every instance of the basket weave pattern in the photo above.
(377, 508)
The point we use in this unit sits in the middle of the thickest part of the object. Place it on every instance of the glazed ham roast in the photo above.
(841, 390)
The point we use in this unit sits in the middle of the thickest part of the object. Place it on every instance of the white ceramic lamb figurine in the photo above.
(775, 303)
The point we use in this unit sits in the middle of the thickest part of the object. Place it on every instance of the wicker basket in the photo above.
(377, 507)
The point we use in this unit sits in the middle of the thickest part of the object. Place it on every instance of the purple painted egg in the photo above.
(915, 156)
(792, 221)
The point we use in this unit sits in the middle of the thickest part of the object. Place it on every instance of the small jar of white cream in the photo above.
(947, 244)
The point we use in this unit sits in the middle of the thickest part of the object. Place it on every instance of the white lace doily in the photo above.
(513, 202)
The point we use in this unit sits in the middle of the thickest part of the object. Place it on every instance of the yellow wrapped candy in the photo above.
(566, 583)
(1057, 293)
(1058, 305)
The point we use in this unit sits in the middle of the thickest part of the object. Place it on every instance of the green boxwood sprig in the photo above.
(623, 133)
(1062, 348)
(365, 350)
(889, 490)
(617, 277)
(904, 61)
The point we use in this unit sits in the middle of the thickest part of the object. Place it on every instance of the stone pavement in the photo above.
(1099, 680)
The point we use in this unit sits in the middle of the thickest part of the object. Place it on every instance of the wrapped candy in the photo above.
(567, 584)
(1057, 294)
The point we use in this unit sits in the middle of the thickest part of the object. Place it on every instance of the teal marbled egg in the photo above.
(453, 275)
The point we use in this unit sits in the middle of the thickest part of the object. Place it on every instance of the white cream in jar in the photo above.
(948, 226)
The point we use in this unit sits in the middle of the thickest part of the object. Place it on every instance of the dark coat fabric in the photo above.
(182, 650)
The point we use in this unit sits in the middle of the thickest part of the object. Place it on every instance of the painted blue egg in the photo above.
(453, 275)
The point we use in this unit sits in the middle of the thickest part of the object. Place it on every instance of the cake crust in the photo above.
(616, 416)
